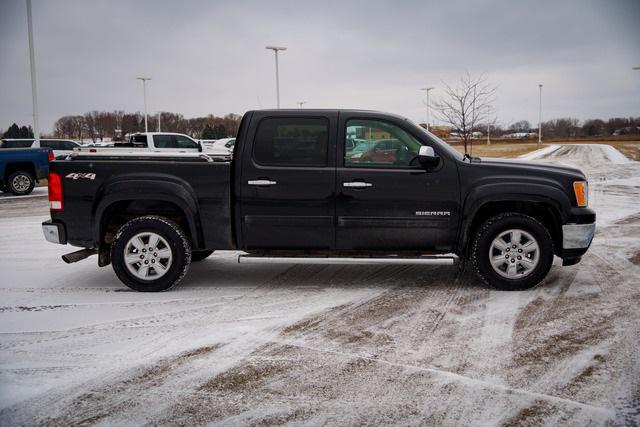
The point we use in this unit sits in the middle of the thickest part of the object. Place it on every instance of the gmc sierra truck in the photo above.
(300, 190)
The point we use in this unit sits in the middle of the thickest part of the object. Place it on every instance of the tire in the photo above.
(164, 266)
(200, 255)
(20, 183)
(524, 266)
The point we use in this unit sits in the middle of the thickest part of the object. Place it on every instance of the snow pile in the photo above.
(539, 153)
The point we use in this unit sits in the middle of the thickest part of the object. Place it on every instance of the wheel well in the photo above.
(543, 212)
(15, 167)
(119, 213)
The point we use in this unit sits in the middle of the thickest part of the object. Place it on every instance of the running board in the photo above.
(421, 260)
(78, 255)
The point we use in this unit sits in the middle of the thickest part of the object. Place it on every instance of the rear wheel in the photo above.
(150, 254)
(21, 183)
(200, 255)
(512, 251)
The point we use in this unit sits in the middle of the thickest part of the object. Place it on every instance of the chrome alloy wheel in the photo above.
(21, 183)
(147, 256)
(514, 254)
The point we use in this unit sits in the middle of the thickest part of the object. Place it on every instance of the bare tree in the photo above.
(466, 105)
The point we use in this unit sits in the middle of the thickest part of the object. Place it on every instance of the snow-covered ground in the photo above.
(273, 344)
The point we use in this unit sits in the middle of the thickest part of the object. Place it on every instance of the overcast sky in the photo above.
(208, 57)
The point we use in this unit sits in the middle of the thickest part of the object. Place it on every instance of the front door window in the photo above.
(378, 144)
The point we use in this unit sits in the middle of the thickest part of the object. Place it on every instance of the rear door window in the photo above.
(54, 145)
(291, 141)
(174, 141)
(139, 141)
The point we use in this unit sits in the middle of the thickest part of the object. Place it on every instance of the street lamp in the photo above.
(540, 118)
(488, 125)
(275, 49)
(144, 92)
(427, 89)
(34, 91)
(635, 68)
(301, 103)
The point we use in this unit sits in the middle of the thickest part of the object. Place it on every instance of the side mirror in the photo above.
(199, 146)
(427, 157)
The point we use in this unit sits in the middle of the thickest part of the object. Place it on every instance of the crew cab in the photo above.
(294, 193)
(21, 168)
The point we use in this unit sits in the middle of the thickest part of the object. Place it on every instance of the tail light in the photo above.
(581, 190)
(51, 157)
(55, 192)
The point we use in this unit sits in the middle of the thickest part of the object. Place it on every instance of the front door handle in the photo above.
(357, 184)
(262, 182)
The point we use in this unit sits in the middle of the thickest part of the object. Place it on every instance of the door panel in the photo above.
(389, 203)
(288, 183)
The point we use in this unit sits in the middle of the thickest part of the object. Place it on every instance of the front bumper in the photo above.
(54, 232)
(577, 236)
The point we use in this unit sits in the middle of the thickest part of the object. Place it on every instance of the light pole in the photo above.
(488, 126)
(34, 89)
(275, 49)
(301, 103)
(428, 89)
(540, 118)
(159, 116)
(144, 93)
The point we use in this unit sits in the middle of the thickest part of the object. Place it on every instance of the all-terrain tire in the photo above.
(176, 241)
(481, 251)
(21, 183)
(200, 255)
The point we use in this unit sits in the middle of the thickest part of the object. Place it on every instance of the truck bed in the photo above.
(104, 183)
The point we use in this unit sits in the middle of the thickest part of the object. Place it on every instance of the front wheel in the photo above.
(512, 252)
(150, 254)
(21, 183)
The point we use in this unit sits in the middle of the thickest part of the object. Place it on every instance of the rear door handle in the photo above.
(357, 184)
(262, 182)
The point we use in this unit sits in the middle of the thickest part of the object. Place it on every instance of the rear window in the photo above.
(16, 144)
(292, 141)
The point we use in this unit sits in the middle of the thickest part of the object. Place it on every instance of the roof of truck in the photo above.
(326, 110)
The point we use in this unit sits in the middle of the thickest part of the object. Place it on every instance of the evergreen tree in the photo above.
(208, 133)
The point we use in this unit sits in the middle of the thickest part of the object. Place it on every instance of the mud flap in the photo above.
(104, 255)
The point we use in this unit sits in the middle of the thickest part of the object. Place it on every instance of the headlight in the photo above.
(581, 190)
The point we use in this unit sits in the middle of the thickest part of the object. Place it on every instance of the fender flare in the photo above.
(159, 187)
(530, 192)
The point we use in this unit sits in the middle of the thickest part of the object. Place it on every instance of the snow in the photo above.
(540, 153)
(326, 344)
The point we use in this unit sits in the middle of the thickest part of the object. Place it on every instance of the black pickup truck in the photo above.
(320, 186)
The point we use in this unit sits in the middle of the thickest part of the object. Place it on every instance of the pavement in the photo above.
(313, 344)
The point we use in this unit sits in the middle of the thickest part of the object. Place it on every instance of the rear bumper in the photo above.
(54, 232)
